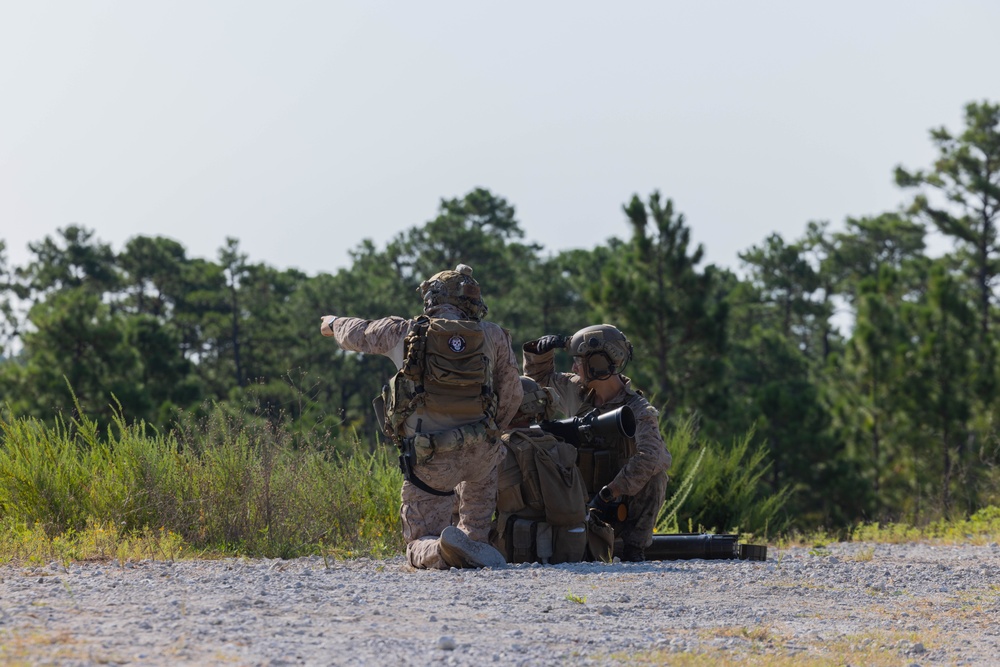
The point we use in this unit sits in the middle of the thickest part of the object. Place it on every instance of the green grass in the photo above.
(217, 488)
(238, 486)
(983, 527)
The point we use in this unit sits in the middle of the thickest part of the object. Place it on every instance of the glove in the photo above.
(546, 343)
(607, 506)
(602, 501)
(326, 325)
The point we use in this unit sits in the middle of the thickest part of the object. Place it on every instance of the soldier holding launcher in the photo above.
(624, 469)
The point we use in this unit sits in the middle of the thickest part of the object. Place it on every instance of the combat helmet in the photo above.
(605, 350)
(457, 288)
(538, 404)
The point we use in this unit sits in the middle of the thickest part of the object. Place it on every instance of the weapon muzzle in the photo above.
(611, 423)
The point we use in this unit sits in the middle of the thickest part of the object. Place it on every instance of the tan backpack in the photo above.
(446, 371)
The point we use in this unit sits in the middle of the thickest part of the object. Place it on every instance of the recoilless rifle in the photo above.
(591, 427)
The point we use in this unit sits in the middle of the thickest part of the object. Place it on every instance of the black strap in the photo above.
(411, 476)
(420, 484)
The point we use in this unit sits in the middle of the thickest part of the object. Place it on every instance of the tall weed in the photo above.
(45, 474)
(221, 485)
(718, 488)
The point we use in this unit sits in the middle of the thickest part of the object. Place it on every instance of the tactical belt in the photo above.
(420, 448)
(425, 445)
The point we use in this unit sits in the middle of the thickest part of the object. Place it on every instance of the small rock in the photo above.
(446, 643)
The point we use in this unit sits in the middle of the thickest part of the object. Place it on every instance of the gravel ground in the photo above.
(911, 604)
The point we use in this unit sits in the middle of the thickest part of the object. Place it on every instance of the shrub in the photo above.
(719, 489)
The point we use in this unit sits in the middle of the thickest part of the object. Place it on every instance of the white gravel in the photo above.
(924, 604)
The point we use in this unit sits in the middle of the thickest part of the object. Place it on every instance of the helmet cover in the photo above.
(604, 348)
(457, 288)
(538, 404)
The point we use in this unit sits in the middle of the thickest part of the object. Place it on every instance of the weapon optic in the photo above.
(591, 427)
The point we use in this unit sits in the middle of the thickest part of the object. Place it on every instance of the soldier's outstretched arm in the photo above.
(367, 336)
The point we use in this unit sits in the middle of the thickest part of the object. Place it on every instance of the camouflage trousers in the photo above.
(643, 509)
(472, 473)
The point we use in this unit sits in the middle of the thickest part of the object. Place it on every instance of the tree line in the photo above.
(866, 366)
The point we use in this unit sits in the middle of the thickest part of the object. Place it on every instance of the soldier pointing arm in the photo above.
(457, 387)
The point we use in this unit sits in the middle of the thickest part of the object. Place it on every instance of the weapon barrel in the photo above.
(686, 546)
(593, 426)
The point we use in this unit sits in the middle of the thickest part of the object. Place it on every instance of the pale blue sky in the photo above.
(303, 127)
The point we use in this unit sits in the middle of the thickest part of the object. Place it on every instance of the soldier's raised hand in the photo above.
(326, 325)
(546, 343)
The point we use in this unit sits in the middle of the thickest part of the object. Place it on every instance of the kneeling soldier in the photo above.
(631, 470)
(456, 389)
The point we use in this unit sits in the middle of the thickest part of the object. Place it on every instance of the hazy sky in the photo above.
(301, 128)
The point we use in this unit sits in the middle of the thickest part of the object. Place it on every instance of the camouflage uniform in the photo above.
(642, 481)
(470, 471)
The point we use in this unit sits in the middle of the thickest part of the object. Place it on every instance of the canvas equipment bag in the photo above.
(523, 540)
(600, 540)
(541, 501)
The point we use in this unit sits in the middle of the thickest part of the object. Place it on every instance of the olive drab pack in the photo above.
(599, 462)
(541, 502)
(457, 370)
(447, 370)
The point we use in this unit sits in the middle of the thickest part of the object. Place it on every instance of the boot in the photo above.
(459, 550)
(633, 553)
